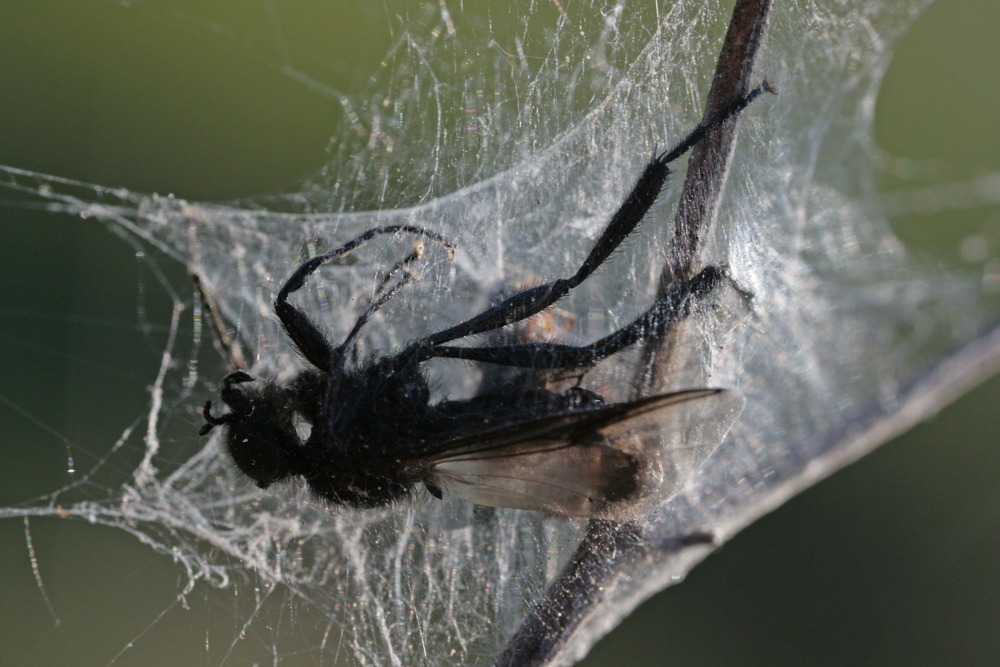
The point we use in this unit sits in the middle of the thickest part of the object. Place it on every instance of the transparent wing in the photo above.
(618, 462)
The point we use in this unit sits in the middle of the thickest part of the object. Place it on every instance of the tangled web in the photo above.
(515, 137)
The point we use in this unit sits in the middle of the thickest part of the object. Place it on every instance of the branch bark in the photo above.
(606, 547)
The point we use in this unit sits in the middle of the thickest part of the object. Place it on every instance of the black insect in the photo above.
(375, 435)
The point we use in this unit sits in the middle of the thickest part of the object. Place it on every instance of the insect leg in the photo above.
(533, 301)
(704, 127)
(674, 306)
(629, 215)
(306, 336)
(306, 269)
(372, 308)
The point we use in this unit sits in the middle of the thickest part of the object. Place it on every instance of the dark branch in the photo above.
(575, 594)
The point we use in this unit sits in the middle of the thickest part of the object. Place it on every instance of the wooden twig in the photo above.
(606, 547)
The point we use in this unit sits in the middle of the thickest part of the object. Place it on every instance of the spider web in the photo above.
(515, 133)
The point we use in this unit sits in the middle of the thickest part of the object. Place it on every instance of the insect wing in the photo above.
(618, 462)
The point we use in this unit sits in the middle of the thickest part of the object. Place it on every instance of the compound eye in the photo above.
(262, 442)
(256, 450)
(260, 428)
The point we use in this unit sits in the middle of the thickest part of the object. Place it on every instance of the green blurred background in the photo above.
(893, 561)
